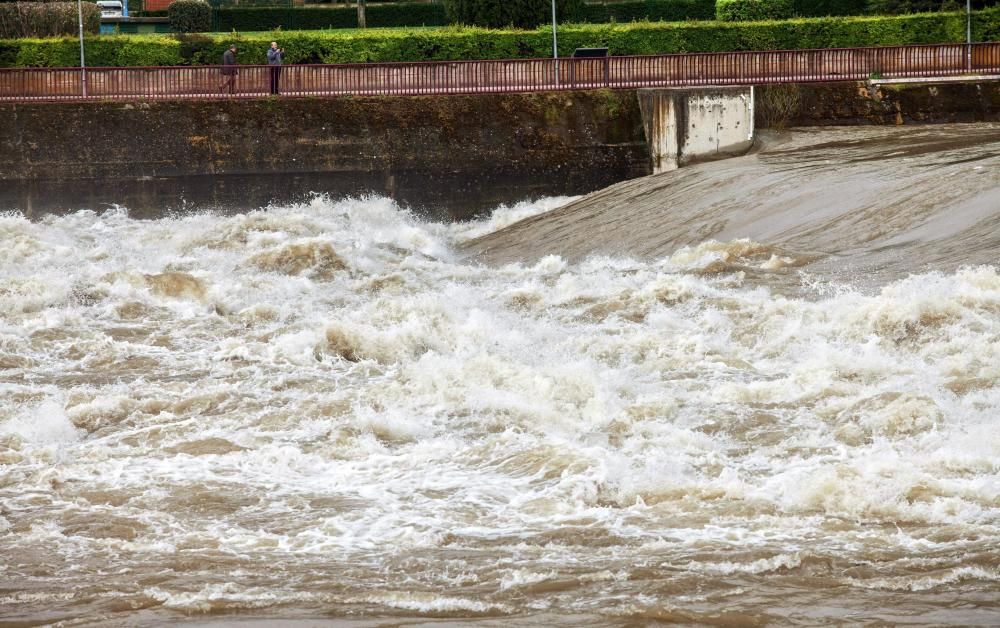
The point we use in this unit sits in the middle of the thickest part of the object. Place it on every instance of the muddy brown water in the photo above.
(755, 392)
(881, 201)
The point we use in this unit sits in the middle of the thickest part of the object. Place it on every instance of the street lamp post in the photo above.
(555, 43)
(968, 34)
(83, 65)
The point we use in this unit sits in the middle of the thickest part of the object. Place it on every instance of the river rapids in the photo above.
(338, 413)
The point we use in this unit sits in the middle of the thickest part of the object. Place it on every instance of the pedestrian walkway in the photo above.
(505, 76)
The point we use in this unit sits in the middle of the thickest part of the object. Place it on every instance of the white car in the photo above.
(110, 8)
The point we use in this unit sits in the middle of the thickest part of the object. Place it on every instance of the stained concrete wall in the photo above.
(595, 136)
(820, 104)
(446, 146)
(685, 125)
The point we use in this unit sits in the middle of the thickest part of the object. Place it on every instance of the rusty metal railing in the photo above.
(513, 75)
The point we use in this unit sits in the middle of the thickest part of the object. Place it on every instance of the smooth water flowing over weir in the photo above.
(335, 410)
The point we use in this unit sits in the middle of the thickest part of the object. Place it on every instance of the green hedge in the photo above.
(385, 15)
(218, 4)
(651, 10)
(433, 14)
(243, 18)
(508, 13)
(753, 10)
(899, 7)
(825, 8)
(451, 43)
(822, 8)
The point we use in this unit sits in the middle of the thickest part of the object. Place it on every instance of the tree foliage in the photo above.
(46, 19)
(190, 16)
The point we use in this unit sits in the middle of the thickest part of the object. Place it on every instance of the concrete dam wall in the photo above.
(596, 135)
(450, 156)
(496, 148)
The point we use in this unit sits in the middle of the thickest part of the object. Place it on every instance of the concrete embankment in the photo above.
(597, 134)
(457, 153)
(840, 104)
(514, 145)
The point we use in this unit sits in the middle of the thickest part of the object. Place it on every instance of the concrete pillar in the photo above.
(685, 125)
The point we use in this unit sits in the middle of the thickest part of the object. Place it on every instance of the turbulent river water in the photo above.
(675, 401)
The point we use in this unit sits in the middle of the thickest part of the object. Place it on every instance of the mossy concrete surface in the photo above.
(596, 134)
(583, 140)
(823, 104)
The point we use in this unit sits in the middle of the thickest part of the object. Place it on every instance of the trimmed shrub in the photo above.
(753, 10)
(508, 13)
(404, 14)
(196, 49)
(190, 16)
(46, 19)
(218, 4)
(651, 10)
(456, 43)
(899, 7)
(384, 15)
(825, 8)
(986, 29)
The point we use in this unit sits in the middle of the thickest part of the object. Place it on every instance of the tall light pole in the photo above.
(83, 65)
(555, 43)
(968, 34)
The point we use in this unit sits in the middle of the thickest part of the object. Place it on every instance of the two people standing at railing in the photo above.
(275, 56)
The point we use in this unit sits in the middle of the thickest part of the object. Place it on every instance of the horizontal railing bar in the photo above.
(428, 78)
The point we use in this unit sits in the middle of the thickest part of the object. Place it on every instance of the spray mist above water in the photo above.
(326, 410)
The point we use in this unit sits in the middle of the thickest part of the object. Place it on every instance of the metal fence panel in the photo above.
(503, 76)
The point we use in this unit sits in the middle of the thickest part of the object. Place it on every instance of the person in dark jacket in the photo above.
(229, 69)
(274, 57)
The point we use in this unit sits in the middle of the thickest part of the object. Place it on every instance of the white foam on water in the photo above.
(925, 583)
(520, 577)
(762, 565)
(228, 596)
(428, 603)
(43, 425)
(504, 216)
(326, 381)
